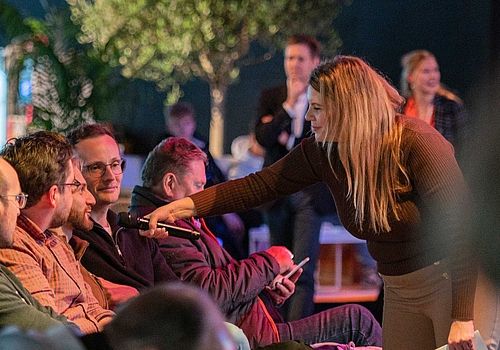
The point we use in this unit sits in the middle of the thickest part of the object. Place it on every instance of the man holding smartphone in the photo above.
(243, 289)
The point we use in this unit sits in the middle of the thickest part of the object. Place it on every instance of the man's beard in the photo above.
(59, 219)
(80, 221)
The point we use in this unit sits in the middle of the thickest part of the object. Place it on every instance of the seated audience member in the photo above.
(180, 121)
(39, 258)
(167, 317)
(17, 305)
(170, 316)
(108, 294)
(175, 169)
(113, 253)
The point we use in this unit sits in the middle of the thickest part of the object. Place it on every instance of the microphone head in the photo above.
(128, 220)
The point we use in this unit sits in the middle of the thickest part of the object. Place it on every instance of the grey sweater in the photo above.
(19, 308)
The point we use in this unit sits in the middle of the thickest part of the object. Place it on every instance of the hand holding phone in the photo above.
(295, 269)
(290, 273)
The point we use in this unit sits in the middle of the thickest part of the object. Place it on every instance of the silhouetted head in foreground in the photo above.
(171, 316)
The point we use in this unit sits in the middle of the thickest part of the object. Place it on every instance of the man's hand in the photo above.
(282, 291)
(283, 138)
(294, 88)
(159, 233)
(282, 288)
(282, 256)
(461, 334)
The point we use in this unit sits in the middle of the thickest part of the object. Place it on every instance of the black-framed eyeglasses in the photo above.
(77, 186)
(98, 169)
(21, 199)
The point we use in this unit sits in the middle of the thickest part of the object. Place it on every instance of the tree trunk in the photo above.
(218, 104)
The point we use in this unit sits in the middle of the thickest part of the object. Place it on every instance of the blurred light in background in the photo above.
(3, 99)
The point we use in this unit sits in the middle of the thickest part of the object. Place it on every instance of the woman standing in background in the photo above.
(427, 99)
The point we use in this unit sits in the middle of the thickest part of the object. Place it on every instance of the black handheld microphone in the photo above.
(130, 220)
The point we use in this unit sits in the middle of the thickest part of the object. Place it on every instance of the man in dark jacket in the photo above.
(116, 254)
(180, 121)
(241, 288)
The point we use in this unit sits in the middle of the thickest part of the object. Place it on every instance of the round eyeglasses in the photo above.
(21, 199)
(98, 169)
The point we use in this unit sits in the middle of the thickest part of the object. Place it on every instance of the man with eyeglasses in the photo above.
(17, 305)
(116, 254)
(108, 294)
(39, 258)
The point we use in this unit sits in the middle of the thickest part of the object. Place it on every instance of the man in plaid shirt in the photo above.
(40, 259)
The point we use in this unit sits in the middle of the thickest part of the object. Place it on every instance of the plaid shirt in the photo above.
(450, 119)
(47, 267)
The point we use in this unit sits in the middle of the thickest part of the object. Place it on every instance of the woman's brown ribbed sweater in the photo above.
(428, 228)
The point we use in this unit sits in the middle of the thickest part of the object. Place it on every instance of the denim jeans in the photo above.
(340, 324)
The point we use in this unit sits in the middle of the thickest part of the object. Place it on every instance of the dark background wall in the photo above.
(462, 34)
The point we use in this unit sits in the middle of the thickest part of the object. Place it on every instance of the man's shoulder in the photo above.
(143, 201)
(271, 100)
(10, 285)
(24, 243)
(21, 235)
(98, 241)
(6, 275)
(79, 246)
(278, 90)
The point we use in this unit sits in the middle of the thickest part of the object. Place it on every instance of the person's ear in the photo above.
(53, 195)
(168, 184)
(409, 79)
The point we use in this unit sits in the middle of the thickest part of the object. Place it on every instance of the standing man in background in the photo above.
(293, 221)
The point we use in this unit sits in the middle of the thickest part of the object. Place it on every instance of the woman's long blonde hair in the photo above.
(360, 109)
(409, 63)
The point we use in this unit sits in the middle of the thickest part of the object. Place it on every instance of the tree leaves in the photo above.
(171, 41)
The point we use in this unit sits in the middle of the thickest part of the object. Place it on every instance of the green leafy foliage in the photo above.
(64, 91)
(170, 41)
(12, 22)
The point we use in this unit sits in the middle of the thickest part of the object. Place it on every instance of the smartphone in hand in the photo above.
(290, 273)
